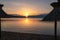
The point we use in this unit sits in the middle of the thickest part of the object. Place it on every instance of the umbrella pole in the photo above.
(55, 30)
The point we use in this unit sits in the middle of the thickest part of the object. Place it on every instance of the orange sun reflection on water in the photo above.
(25, 22)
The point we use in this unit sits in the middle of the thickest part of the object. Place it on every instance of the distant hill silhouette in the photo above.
(5, 15)
(37, 16)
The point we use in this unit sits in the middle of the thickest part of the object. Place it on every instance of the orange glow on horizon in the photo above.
(27, 11)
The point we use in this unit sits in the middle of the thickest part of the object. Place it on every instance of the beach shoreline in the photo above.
(5, 35)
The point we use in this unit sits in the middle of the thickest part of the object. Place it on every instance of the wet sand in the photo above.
(25, 36)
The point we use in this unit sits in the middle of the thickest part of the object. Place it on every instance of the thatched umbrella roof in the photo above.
(2, 13)
(54, 14)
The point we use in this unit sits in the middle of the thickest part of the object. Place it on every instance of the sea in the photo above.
(29, 25)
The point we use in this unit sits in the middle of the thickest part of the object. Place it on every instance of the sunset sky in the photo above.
(27, 7)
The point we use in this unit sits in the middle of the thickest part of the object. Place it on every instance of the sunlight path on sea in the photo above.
(28, 25)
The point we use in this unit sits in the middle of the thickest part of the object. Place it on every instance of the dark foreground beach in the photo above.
(25, 36)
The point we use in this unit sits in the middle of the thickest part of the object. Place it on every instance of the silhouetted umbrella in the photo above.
(54, 15)
(2, 13)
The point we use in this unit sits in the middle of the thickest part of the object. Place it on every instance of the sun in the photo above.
(26, 15)
(26, 12)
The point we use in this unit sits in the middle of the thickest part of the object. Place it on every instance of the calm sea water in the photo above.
(28, 25)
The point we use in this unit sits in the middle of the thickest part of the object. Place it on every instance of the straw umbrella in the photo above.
(2, 13)
(54, 15)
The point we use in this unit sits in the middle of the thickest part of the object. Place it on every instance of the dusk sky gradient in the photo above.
(37, 6)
